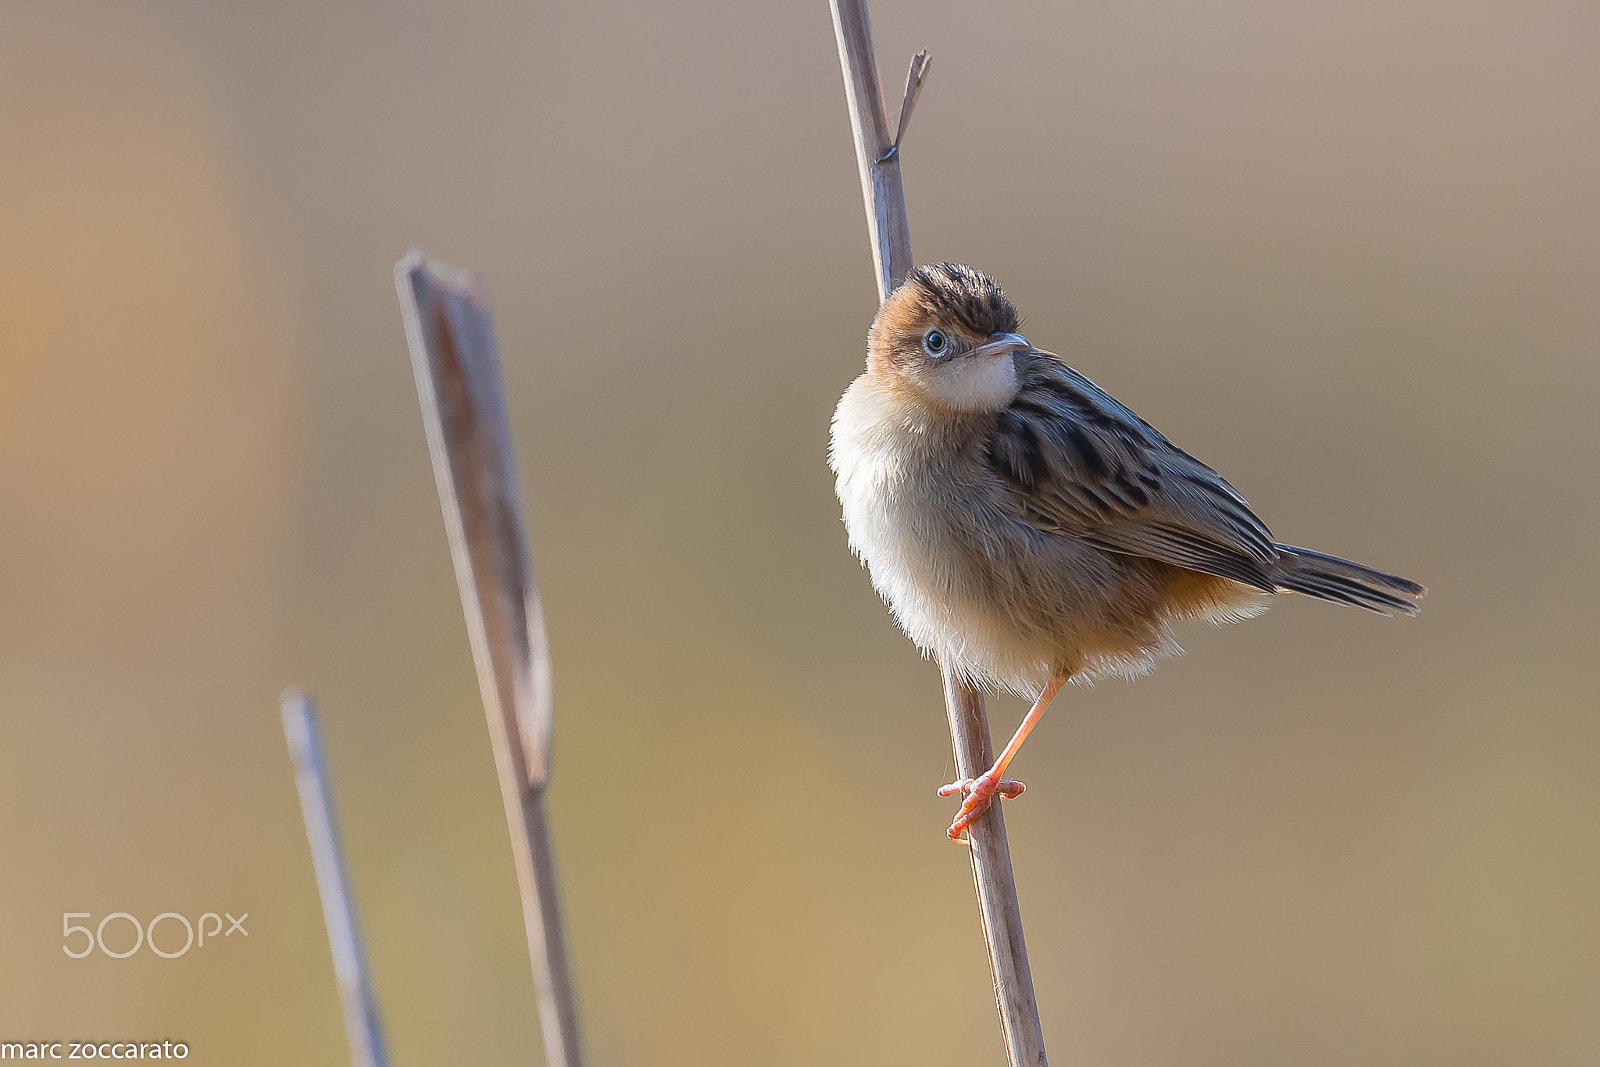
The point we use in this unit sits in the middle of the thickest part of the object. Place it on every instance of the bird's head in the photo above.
(949, 333)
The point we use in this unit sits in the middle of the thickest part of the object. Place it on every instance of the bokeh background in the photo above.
(1348, 254)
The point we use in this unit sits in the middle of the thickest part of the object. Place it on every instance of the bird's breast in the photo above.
(910, 505)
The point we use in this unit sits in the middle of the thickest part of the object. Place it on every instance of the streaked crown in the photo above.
(949, 335)
(952, 295)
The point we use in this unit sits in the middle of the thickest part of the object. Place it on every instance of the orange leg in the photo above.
(980, 791)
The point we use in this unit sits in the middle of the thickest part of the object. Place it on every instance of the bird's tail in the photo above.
(1331, 578)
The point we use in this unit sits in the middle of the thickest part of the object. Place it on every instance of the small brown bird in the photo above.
(1027, 528)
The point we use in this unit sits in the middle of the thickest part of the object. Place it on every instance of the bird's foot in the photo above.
(979, 793)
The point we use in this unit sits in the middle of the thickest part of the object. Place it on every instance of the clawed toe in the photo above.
(978, 793)
(1006, 788)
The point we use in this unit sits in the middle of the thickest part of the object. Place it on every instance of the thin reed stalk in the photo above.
(453, 353)
(362, 1022)
(878, 154)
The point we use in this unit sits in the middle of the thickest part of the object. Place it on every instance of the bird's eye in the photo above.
(935, 343)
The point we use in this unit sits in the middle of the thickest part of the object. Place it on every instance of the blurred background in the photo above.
(1348, 254)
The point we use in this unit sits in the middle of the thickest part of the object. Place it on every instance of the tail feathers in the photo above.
(1343, 582)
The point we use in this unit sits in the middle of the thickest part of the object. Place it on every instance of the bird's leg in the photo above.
(980, 791)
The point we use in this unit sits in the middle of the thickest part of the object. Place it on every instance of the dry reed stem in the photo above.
(362, 1023)
(453, 353)
(884, 195)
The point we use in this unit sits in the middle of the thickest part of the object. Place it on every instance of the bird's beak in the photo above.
(1001, 344)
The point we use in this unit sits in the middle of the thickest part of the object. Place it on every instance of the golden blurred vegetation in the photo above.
(1347, 254)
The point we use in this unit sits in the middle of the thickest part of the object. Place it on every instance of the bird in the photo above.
(1029, 530)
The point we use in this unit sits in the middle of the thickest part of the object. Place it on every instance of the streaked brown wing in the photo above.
(1078, 463)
